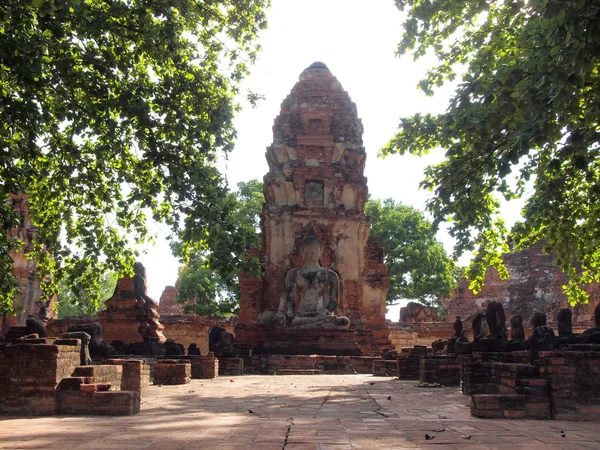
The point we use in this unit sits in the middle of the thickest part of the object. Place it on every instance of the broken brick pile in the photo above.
(172, 371)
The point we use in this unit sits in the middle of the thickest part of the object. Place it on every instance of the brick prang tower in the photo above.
(315, 185)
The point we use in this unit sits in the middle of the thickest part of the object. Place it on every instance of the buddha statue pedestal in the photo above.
(338, 343)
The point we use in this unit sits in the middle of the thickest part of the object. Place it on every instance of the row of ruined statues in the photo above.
(491, 335)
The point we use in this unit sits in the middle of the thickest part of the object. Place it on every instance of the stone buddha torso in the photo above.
(312, 294)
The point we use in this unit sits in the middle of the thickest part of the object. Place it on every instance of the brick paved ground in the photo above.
(297, 412)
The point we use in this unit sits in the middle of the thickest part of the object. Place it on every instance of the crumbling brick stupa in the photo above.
(315, 188)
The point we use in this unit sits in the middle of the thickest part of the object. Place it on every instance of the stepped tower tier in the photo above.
(315, 187)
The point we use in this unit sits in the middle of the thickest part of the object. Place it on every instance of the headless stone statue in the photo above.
(517, 334)
(565, 328)
(316, 290)
(85, 338)
(592, 336)
(37, 324)
(98, 348)
(543, 336)
(220, 342)
(452, 346)
(193, 350)
(496, 319)
(479, 332)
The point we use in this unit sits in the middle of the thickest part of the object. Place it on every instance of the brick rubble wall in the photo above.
(29, 374)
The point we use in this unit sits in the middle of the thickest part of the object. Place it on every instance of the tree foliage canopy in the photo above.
(525, 121)
(418, 265)
(113, 112)
(206, 292)
(80, 300)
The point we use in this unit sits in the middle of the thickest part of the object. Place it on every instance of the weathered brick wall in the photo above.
(188, 329)
(416, 312)
(445, 370)
(515, 391)
(101, 373)
(423, 333)
(308, 364)
(24, 269)
(30, 372)
(534, 285)
(574, 382)
(385, 367)
(57, 327)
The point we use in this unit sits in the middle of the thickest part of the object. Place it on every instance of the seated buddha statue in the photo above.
(312, 293)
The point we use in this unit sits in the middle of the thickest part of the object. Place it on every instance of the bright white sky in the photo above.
(357, 40)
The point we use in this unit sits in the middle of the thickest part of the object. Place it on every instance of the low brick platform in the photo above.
(110, 374)
(171, 371)
(135, 374)
(408, 362)
(574, 382)
(205, 367)
(303, 343)
(444, 370)
(30, 372)
(103, 403)
(385, 367)
(519, 393)
(477, 370)
(229, 367)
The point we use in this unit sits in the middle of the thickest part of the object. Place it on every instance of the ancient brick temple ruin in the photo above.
(24, 269)
(315, 186)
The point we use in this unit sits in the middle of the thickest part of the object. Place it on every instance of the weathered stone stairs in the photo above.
(96, 390)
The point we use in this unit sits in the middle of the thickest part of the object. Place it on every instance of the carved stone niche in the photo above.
(313, 193)
(315, 127)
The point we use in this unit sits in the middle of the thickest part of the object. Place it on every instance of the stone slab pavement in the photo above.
(324, 412)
